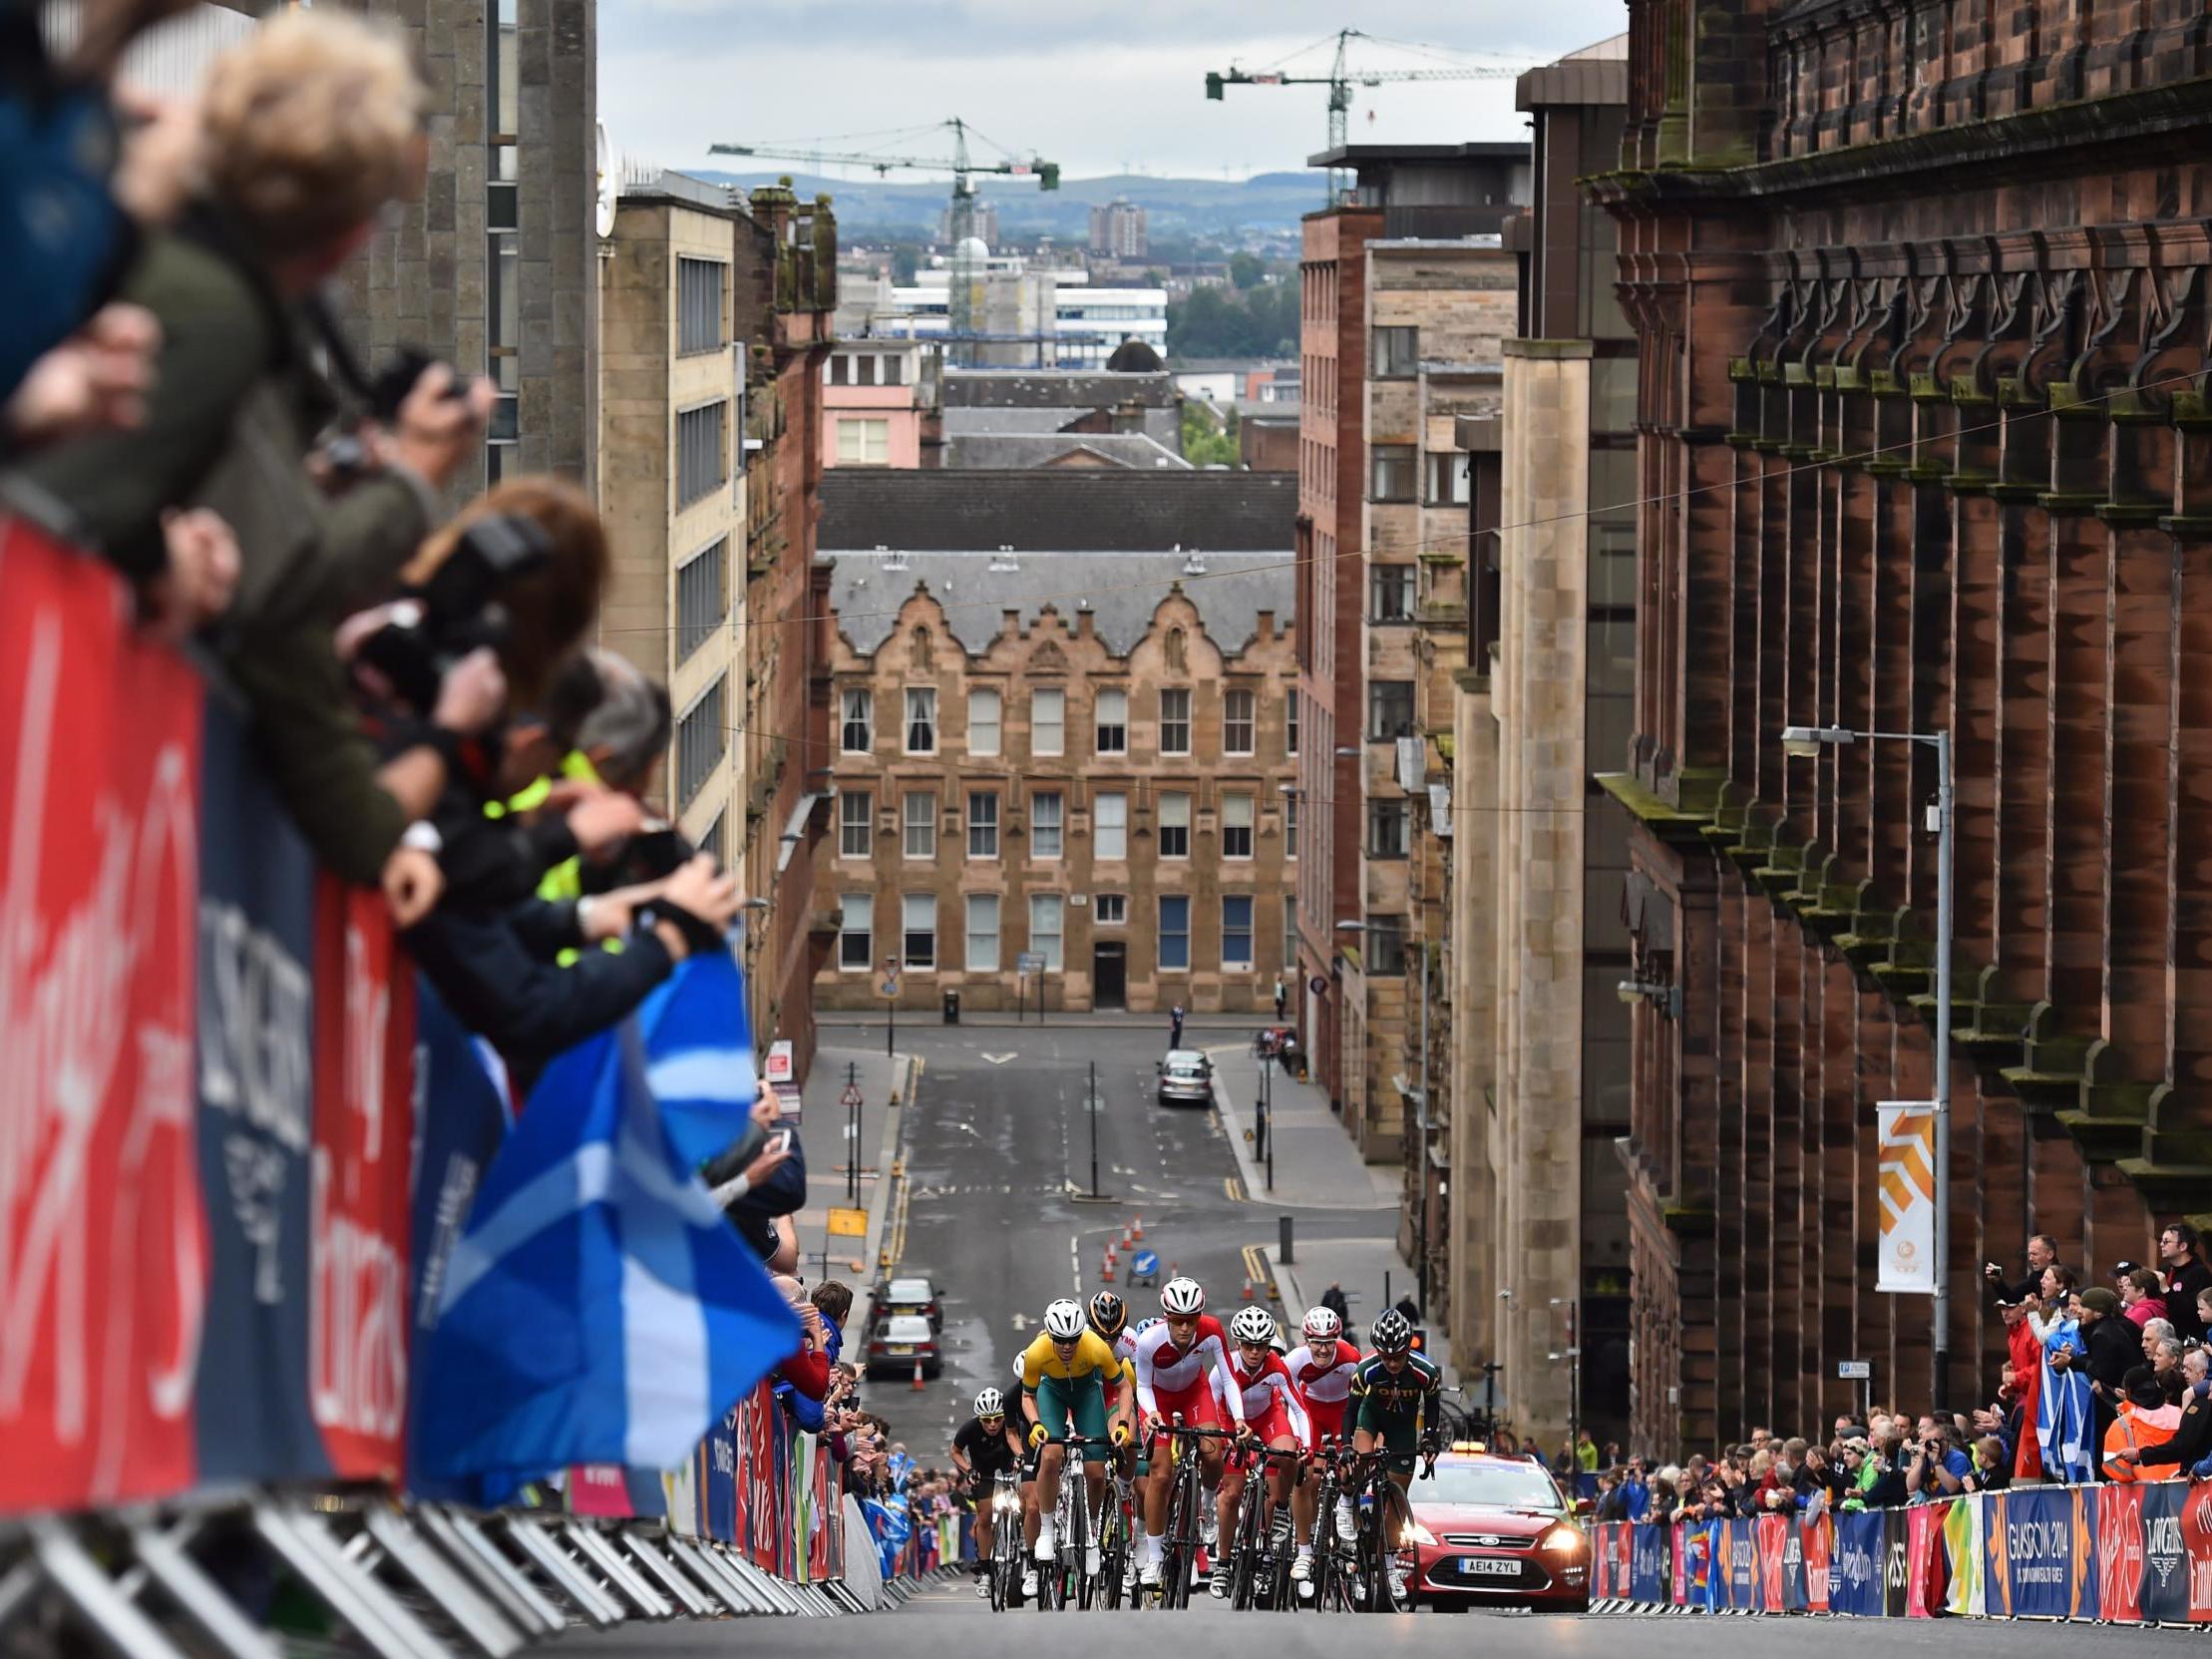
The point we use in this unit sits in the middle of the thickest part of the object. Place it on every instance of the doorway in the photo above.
(1109, 977)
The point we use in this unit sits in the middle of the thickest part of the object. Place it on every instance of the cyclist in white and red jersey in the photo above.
(1178, 1360)
(1273, 1412)
(1323, 1368)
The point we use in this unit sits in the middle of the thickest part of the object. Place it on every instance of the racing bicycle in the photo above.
(1260, 1571)
(1067, 1578)
(1185, 1496)
(1379, 1509)
(1005, 1576)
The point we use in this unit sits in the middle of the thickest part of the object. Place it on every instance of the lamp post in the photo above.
(1809, 740)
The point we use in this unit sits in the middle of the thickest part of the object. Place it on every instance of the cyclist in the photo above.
(1064, 1374)
(1392, 1393)
(1109, 1317)
(1272, 1411)
(983, 1448)
(1181, 1361)
(1323, 1368)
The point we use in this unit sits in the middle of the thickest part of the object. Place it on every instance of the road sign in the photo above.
(1144, 1264)
(845, 1224)
(889, 986)
(780, 1062)
(1317, 984)
(851, 1097)
(1854, 1371)
(1029, 961)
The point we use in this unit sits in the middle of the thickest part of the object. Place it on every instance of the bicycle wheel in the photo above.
(1245, 1550)
(1077, 1540)
(1175, 1581)
(1113, 1546)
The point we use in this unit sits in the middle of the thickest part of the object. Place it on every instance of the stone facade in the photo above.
(1920, 305)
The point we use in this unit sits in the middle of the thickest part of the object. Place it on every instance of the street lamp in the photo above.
(1810, 741)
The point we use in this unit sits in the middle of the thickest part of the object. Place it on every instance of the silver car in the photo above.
(1186, 1078)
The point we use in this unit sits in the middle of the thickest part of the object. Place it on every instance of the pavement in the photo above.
(826, 1126)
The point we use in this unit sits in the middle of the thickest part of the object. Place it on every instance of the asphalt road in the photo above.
(997, 1151)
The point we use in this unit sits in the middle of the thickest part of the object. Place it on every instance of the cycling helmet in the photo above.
(1182, 1296)
(1252, 1325)
(990, 1403)
(1109, 1312)
(1390, 1332)
(1322, 1324)
(1063, 1320)
(1143, 1325)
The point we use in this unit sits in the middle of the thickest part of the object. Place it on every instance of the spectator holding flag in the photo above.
(2064, 1415)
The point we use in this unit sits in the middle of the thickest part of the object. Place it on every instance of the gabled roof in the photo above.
(976, 450)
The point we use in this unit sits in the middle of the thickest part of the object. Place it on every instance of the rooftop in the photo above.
(1055, 389)
(1353, 155)
(970, 451)
(1057, 510)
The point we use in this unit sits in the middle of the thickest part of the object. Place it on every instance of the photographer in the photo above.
(1937, 1467)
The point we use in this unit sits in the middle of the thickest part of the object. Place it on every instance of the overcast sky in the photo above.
(1095, 85)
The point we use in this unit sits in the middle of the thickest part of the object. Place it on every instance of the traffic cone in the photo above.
(1106, 1268)
(919, 1386)
(1137, 1227)
(1247, 1297)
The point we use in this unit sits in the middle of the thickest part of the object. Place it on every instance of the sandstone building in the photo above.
(1061, 725)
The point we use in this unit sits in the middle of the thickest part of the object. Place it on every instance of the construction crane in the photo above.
(1341, 78)
(966, 275)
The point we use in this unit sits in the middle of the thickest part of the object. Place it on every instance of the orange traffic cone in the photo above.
(1137, 1227)
(918, 1384)
(1106, 1268)
(1247, 1297)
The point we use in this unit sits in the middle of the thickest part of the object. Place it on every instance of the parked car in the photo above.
(910, 1293)
(1494, 1529)
(1186, 1078)
(899, 1341)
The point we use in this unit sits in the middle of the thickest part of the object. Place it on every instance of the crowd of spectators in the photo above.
(2100, 1381)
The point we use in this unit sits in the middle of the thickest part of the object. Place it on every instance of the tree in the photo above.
(1219, 322)
(1206, 441)
(1247, 270)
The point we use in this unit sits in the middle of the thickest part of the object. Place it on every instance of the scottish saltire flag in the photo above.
(699, 1054)
(2065, 1423)
(597, 1308)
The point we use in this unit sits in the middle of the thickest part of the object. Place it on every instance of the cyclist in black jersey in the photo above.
(984, 1447)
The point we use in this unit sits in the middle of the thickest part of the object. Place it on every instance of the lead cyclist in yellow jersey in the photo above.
(1064, 1374)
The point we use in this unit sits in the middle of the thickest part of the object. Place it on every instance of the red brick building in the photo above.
(1921, 297)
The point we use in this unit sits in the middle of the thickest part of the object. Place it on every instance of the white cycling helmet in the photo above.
(1252, 1325)
(1182, 1296)
(1322, 1324)
(990, 1403)
(1063, 1320)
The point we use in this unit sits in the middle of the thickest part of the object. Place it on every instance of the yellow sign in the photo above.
(848, 1223)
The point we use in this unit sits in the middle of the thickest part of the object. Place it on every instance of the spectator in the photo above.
(2187, 1280)
(2154, 1330)
(2042, 1250)
(1665, 1499)
(2114, 1349)
(1611, 1504)
(1635, 1491)
(2026, 1369)
(2144, 1419)
(2166, 1367)
(1936, 1467)
(2192, 1436)
(1175, 1026)
(1586, 1454)
(1820, 1483)
(832, 1299)
(1992, 1466)
(2143, 1297)
(1777, 1492)
(2064, 1411)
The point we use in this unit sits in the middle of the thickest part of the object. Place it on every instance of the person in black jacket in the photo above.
(2192, 1440)
(2115, 1348)
(2187, 1278)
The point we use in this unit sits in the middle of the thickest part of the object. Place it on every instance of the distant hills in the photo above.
(1267, 201)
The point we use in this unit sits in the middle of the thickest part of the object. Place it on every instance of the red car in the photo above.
(1496, 1529)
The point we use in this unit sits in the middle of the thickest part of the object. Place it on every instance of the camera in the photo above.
(454, 612)
(389, 389)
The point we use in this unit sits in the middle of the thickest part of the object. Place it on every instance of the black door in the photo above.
(1109, 976)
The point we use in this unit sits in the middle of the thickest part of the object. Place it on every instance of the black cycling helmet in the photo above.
(1390, 1333)
(1109, 1312)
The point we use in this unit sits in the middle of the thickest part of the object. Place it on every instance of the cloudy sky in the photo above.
(1095, 85)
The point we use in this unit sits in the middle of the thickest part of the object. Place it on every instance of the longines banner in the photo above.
(1906, 1188)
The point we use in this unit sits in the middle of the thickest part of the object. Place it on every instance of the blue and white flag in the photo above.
(2064, 1416)
(597, 1309)
(699, 1054)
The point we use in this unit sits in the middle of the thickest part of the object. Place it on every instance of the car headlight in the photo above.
(1563, 1540)
(1415, 1532)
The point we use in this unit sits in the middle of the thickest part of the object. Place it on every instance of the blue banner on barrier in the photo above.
(2038, 1551)
(1793, 1568)
(2165, 1552)
(1855, 1577)
(1650, 1564)
(1740, 1554)
(721, 1480)
(254, 1418)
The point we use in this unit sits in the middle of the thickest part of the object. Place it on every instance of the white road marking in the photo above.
(1019, 1320)
(1075, 1262)
(1002, 1060)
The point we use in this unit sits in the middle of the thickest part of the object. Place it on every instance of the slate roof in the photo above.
(1052, 389)
(1165, 425)
(1063, 509)
(974, 449)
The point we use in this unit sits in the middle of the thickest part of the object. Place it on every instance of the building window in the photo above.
(1236, 826)
(922, 823)
(1389, 709)
(1291, 722)
(1390, 472)
(702, 452)
(1175, 722)
(701, 601)
(1397, 352)
(1113, 723)
(1044, 825)
(1385, 944)
(856, 826)
(1174, 825)
(699, 306)
(710, 842)
(839, 370)
(919, 916)
(864, 369)
(1290, 824)
(1447, 478)
(982, 722)
(922, 719)
(982, 933)
(1046, 913)
(1110, 827)
(864, 443)
(1239, 721)
(1110, 910)
(1390, 592)
(859, 727)
(856, 937)
(893, 371)
(982, 824)
(1048, 722)
(1290, 929)
(1236, 930)
(702, 737)
(1175, 934)
(1388, 826)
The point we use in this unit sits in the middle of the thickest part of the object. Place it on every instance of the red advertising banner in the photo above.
(1820, 1538)
(601, 1489)
(1927, 1580)
(104, 1253)
(759, 1482)
(1771, 1533)
(2196, 1537)
(362, 1183)
(2119, 1552)
(1678, 1578)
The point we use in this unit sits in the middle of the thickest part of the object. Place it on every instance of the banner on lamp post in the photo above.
(1906, 1193)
